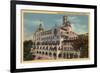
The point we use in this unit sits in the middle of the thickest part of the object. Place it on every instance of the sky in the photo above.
(79, 23)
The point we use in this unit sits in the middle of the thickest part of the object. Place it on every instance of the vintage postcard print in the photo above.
(50, 35)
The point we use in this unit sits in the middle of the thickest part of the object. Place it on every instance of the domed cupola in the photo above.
(40, 28)
(65, 21)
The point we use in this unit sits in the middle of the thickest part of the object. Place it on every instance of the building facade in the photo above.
(55, 43)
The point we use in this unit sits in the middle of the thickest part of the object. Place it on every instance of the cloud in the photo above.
(59, 21)
(79, 23)
(79, 28)
(30, 26)
(74, 19)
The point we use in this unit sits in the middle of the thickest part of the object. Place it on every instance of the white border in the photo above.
(20, 65)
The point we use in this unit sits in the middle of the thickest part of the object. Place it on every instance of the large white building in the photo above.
(55, 43)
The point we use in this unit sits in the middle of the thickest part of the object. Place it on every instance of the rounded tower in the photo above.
(64, 20)
(67, 24)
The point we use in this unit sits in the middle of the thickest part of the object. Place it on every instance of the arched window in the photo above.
(39, 52)
(42, 53)
(55, 48)
(54, 55)
(67, 32)
(50, 48)
(60, 55)
(47, 48)
(50, 54)
(46, 53)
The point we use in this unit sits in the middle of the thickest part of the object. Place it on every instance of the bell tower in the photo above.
(64, 20)
(67, 24)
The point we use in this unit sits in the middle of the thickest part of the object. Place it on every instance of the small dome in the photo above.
(40, 28)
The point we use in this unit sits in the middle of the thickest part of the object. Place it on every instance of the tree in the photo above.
(27, 46)
(81, 43)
